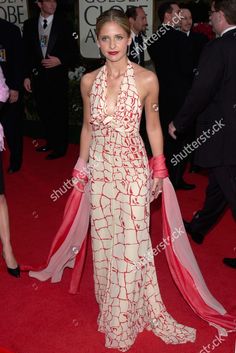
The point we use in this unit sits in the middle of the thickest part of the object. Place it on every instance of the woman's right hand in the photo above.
(156, 189)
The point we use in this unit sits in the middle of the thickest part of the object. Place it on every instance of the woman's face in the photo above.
(113, 41)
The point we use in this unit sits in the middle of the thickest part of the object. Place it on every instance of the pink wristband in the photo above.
(80, 171)
(158, 167)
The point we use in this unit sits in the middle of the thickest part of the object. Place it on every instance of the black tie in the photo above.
(139, 39)
(45, 23)
(136, 39)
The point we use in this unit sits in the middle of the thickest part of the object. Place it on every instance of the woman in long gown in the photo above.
(129, 298)
(120, 188)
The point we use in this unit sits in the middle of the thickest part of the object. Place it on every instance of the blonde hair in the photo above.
(113, 15)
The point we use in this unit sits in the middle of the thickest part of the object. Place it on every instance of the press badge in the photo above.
(44, 41)
(3, 57)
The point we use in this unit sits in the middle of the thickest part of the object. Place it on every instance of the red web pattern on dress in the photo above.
(126, 285)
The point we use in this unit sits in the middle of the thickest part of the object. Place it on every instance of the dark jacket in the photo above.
(198, 42)
(62, 44)
(11, 43)
(137, 55)
(172, 56)
(212, 101)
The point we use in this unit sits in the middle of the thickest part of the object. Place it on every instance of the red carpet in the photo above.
(3, 350)
(41, 317)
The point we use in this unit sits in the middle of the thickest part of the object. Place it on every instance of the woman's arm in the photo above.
(86, 132)
(155, 136)
(153, 125)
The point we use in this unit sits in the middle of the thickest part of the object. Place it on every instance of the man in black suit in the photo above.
(138, 23)
(171, 54)
(197, 41)
(11, 115)
(50, 48)
(212, 101)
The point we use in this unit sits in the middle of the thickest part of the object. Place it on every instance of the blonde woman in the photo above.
(113, 170)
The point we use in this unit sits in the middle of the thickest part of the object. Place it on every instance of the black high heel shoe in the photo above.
(14, 271)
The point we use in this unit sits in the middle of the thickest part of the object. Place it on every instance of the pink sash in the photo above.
(184, 267)
(69, 250)
(69, 245)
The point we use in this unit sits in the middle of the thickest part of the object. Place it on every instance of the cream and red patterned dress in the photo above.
(128, 296)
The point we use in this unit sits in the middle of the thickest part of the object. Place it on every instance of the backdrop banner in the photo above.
(14, 11)
(89, 10)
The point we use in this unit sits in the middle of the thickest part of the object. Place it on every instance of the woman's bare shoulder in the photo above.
(146, 81)
(147, 76)
(88, 79)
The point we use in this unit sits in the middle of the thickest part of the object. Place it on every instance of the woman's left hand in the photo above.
(156, 188)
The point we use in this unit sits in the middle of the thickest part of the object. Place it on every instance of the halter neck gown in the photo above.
(125, 278)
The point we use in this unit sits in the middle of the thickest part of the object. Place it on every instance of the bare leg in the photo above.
(5, 234)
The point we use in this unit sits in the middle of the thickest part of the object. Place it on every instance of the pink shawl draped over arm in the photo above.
(69, 248)
(184, 267)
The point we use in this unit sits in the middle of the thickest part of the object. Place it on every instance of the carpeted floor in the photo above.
(41, 317)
